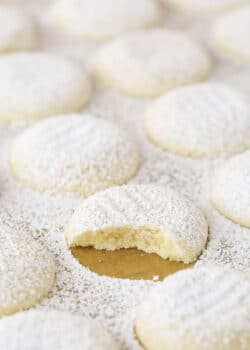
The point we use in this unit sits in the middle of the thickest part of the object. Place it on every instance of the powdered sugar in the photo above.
(204, 308)
(52, 330)
(201, 120)
(92, 18)
(149, 63)
(74, 153)
(27, 271)
(77, 289)
(152, 218)
(230, 192)
(38, 85)
(113, 301)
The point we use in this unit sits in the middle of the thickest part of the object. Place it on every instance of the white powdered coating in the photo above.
(74, 153)
(38, 85)
(205, 6)
(18, 30)
(110, 300)
(27, 271)
(230, 190)
(149, 63)
(230, 34)
(202, 120)
(103, 19)
(52, 330)
(204, 308)
(154, 210)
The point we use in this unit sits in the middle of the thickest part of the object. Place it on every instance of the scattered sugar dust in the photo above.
(112, 301)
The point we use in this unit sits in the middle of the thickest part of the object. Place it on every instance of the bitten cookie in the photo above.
(151, 62)
(152, 218)
(202, 120)
(202, 308)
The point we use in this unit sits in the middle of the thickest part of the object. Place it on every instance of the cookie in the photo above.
(149, 63)
(231, 187)
(230, 35)
(18, 30)
(201, 120)
(77, 153)
(27, 272)
(51, 329)
(38, 85)
(205, 6)
(103, 19)
(152, 218)
(202, 308)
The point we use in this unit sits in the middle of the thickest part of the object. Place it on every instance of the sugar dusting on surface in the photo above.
(78, 290)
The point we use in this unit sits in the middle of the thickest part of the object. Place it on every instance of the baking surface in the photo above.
(127, 263)
(78, 289)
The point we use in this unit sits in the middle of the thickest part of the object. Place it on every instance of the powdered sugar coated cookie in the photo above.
(38, 85)
(51, 329)
(151, 218)
(230, 191)
(203, 308)
(74, 153)
(202, 120)
(27, 272)
(102, 19)
(230, 34)
(151, 62)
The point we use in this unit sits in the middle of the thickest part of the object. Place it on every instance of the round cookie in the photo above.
(152, 218)
(230, 34)
(38, 85)
(27, 272)
(74, 153)
(230, 190)
(18, 30)
(202, 120)
(51, 329)
(205, 6)
(104, 19)
(151, 62)
(202, 308)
